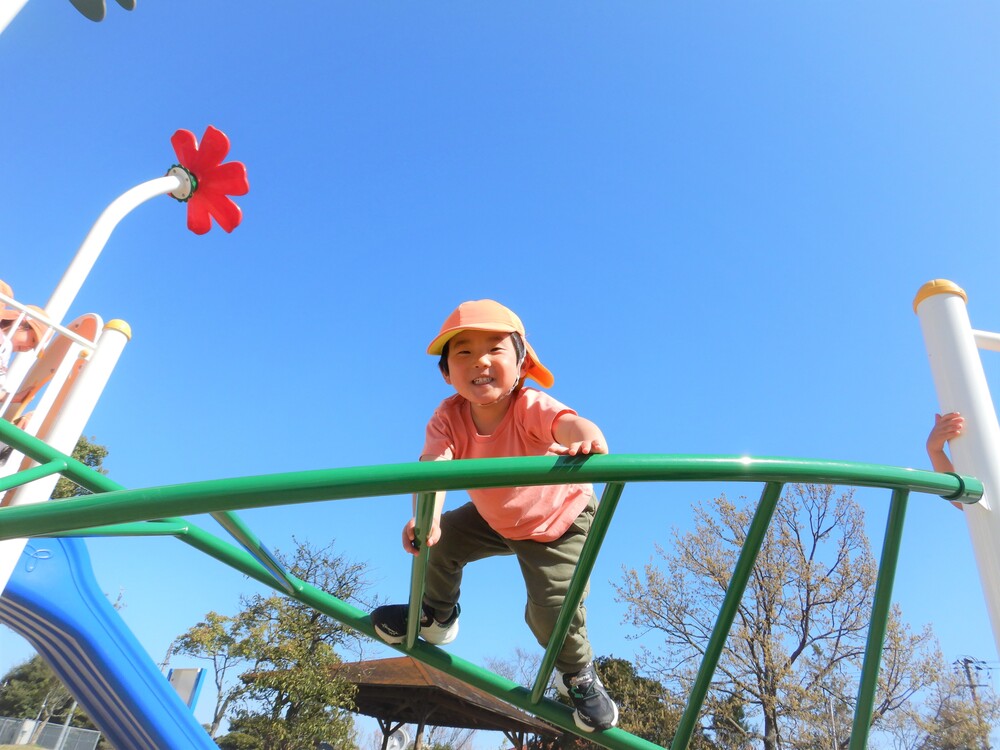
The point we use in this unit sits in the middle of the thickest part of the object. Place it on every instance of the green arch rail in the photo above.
(158, 511)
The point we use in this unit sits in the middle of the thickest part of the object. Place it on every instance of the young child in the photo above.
(485, 357)
(22, 339)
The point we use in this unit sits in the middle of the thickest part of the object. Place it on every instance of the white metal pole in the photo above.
(961, 386)
(90, 250)
(8, 10)
(68, 426)
(92, 245)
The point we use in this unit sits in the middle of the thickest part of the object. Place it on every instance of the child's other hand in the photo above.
(410, 536)
(946, 427)
(583, 447)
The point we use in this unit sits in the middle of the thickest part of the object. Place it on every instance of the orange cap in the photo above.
(487, 315)
(37, 327)
(5, 289)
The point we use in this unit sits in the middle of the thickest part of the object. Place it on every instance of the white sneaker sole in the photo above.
(438, 638)
(584, 726)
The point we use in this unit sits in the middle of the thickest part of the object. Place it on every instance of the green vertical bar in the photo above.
(424, 516)
(727, 613)
(880, 620)
(577, 585)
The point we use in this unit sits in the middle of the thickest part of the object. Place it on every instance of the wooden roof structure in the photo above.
(402, 690)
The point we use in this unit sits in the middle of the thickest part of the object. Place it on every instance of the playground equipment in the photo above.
(54, 602)
(952, 347)
(114, 510)
(75, 363)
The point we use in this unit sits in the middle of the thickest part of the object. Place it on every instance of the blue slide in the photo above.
(54, 601)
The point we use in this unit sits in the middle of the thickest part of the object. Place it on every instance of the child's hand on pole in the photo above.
(410, 536)
(946, 427)
(583, 447)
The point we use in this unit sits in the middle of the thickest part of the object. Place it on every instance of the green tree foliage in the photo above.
(31, 689)
(88, 453)
(214, 640)
(729, 727)
(286, 695)
(239, 741)
(799, 634)
(645, 707)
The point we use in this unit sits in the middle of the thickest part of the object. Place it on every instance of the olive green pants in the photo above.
(547, 568)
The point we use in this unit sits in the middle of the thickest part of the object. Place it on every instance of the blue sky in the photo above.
(712, 219)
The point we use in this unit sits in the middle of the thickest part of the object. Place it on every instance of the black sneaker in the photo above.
(594, 707)
(390, 624)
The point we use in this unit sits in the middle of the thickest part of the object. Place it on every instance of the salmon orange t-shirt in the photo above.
(541, 513)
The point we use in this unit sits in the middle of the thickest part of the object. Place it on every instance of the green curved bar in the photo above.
(272, 490)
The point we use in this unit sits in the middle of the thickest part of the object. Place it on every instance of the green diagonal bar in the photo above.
(43, 453)
(577, 585)
(30, 475)
(880, 620)
(166, 527)
(252, 543)
(424, 515)
(551, 711)
(86, 477)
(727, 613)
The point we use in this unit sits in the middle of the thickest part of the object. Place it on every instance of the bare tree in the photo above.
(795, 648)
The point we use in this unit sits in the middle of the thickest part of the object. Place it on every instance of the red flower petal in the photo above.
(198, 219)
(223, 210)
(185, 146)
(229, 178)
(213, 149)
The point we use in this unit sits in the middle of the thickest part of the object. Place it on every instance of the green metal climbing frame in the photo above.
(116, 511)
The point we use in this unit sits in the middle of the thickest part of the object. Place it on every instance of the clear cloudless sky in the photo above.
(712, 218)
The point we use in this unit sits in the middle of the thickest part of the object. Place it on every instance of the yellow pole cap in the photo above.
(939, 286)
(119, 325)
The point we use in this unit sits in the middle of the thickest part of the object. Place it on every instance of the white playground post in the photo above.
(961, 386)
(70, 423)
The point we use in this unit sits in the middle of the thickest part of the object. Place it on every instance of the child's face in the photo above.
(23, 339)
(482, 366)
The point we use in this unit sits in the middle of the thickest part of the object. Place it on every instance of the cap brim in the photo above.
(437, 345)
(10, 313)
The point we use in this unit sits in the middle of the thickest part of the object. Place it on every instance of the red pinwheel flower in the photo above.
(211, 181)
